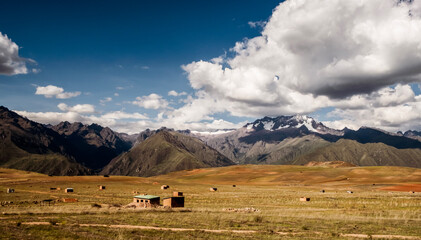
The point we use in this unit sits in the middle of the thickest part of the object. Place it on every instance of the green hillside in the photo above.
(165, 152)
(369, 154)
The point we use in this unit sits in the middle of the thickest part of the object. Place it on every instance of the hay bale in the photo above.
(213, 189)
(163, 187)
(304, 199)
(10, 190)
(67, 190)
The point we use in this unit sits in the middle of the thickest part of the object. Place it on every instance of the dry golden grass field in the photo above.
(263, 205)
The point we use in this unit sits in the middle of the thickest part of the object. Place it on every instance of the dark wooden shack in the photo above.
(173, 202)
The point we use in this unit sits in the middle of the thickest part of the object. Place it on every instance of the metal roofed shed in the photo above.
(146, 201)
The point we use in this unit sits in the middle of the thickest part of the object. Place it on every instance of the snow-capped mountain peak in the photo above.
(287, 122)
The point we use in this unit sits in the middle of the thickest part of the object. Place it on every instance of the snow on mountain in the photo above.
(217, 132)
(297, 121)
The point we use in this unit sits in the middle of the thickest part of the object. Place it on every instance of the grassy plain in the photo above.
(263, 205)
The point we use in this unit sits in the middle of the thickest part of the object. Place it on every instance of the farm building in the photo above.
(146, 201)
(46, 202)
(68, 190)
(10, 190)
(173, 202)
(101, 187)
(304, 199)
(177, 194)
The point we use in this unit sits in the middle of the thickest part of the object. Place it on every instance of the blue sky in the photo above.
(96, 46)
(227, 62)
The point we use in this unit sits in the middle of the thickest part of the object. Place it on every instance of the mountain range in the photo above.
(301, 139)
(64, 149)
(78, 149)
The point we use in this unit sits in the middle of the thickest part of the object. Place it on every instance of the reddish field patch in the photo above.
(404, 188)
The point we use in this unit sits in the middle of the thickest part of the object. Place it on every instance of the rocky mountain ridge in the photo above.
(69, 149)
(77, 149)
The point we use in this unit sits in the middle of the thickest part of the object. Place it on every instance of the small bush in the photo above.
(18, 224)
(96, 205)
(258, 219)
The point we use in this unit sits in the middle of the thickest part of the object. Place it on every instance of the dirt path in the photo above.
(379, 236)
(229, 231)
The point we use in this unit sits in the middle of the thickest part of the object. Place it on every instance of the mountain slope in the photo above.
(165, 151)
(369, 154)
(272, 140)
(371, 135)
(27, 145)
(284, 152)
(91, 145)
(284, 139)
(413, 134)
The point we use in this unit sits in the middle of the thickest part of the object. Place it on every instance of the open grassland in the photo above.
(263, 205)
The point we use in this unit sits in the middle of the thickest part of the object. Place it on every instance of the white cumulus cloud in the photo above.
(257, 24)
(176, 94)
(152, 101)
(315, 54)
(123, 115)
(10, 61)
(105, 100)
(54, 91)
(78, 108)
(332, 48)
